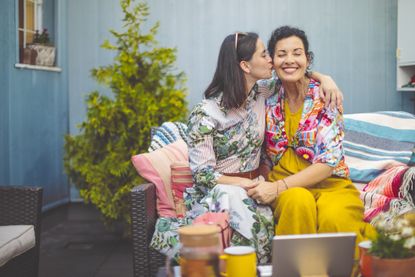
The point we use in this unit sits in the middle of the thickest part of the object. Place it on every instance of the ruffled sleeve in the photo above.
(201, 130)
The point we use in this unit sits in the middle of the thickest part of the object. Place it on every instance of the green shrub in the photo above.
(147, 91)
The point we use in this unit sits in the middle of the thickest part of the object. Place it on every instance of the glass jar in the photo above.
(200, 250)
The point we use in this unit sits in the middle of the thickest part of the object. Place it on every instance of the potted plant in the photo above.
(44, 48)
(393, 249)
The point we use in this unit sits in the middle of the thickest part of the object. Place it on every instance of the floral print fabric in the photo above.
(224, 141)
(253, 224)
(319, 135)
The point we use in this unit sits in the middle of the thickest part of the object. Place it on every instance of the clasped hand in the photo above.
(262, 191)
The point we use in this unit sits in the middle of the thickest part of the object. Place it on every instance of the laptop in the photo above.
(328, 254)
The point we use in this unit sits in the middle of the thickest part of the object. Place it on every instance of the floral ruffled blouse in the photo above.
(226, 141)
(318, 138)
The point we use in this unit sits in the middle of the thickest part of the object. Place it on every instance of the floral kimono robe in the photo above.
(318, 138)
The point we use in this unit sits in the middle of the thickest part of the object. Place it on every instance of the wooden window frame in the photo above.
(37, 15)
(23, 40)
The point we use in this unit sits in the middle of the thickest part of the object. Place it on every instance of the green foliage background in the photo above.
(147, 92)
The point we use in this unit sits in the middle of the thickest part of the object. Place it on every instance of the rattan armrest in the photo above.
(22, 206)
(143, 219)
(146, 261)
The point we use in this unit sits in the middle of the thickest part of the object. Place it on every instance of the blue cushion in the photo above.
(167, 133)
(376, 141)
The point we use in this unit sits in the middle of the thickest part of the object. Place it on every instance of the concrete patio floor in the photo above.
(74, 242)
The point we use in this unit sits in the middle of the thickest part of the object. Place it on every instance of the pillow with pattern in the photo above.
(155, 167)
(376, 141)
(181, 178)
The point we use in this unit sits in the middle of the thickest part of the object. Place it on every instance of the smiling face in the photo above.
(290, 60)
(260, 65)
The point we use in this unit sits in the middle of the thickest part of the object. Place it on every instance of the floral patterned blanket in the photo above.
(252, 224)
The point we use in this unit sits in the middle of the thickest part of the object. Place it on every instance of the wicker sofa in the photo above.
(22, 206)
(146, 261)
(143, 197)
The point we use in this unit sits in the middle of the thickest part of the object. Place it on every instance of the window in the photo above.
(30, 20)
(36, 30)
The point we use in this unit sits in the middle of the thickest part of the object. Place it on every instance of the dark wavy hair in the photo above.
(229, 77)
(286, 32)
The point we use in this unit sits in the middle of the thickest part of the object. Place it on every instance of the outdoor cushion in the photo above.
(15, 240)
(376, 141)
(155, 168)
(181, 178)
(167, 133)
(389, 193)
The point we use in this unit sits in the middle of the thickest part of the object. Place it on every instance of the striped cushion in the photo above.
(376, 141)
(167, 133)
(181, 178)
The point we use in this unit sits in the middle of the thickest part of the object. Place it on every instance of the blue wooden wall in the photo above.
(33, 110)
(89, 26)
(354, 41)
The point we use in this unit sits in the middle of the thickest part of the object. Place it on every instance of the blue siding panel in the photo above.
(34, 111)
(353, 41)
(6, 25)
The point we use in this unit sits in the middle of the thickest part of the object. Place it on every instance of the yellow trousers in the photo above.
(321, 210)
(333, 205)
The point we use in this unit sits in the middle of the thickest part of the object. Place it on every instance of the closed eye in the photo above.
(298, 52)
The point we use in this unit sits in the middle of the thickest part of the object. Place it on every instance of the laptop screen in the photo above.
(329, 254)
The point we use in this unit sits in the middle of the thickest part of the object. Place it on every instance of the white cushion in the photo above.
(15, 240)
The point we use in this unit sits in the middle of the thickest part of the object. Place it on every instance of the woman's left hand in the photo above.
(331, 94)
(264, 193)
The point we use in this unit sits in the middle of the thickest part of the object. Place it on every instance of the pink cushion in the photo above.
(155, 168)
(181, 178)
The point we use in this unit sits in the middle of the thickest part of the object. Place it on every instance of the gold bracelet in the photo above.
(285, 183)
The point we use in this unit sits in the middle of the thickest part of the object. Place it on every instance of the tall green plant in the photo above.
(147, 92)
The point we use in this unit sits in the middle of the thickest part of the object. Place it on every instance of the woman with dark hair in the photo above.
(310, 189)
(225, 134)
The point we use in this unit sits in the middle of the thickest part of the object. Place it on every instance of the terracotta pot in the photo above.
(365, 261)
(393, 267)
